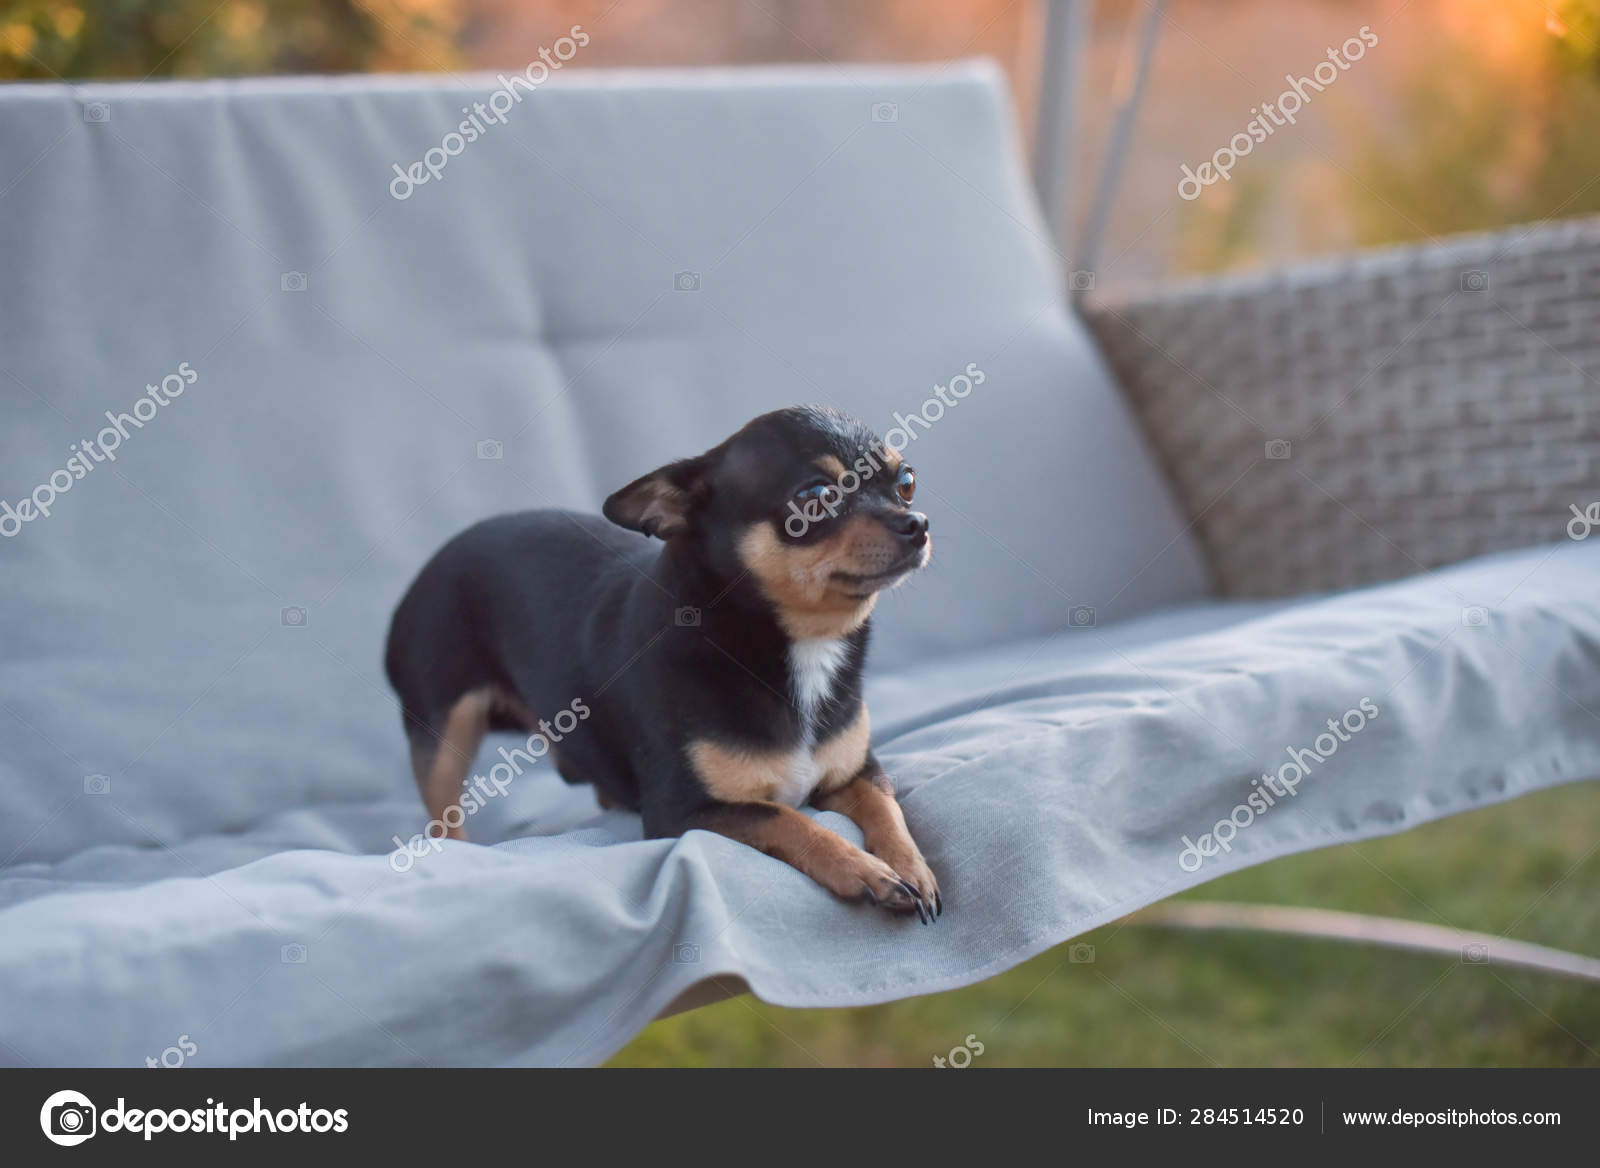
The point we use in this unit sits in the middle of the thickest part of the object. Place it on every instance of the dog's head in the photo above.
(807, 502)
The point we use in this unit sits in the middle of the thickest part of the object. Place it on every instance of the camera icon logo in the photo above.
(686, 618)
(1081, 954)
(1278, 448)
(293, 617)
(686, 282)
(68, 1118)
(1082, 281)
(885, 111)
(686, 954)
(292, 282)
(97, 784)
(1081, 616)
(97, 112)
(292, 955)
(1474, 281)
(1475, 954)
(1475, 616)
(490, 450)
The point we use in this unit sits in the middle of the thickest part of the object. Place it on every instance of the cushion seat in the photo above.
(1049, 803)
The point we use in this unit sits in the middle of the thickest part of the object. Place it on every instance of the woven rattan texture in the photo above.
(1337, 424)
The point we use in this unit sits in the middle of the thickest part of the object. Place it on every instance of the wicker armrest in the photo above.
(1433, 402)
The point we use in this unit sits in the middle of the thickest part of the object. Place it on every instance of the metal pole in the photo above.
(1130, 89)
(1066, 26)
(1468, 948)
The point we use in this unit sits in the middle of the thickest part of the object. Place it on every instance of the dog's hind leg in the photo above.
(441, 758)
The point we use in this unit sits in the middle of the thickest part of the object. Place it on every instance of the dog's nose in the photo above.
(908, 524)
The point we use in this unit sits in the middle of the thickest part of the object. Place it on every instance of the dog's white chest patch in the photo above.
(800, 779)
(813, 664)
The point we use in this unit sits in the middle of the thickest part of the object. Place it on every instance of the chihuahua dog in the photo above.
(718, 675)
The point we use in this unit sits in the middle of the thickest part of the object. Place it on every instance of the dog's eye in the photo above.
(820, 491)
(906, 485)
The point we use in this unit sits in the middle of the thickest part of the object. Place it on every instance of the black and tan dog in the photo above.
(720, 674)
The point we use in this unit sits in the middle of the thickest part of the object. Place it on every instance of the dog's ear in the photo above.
(661, 502)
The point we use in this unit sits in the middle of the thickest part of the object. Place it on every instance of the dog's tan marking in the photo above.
(831, 466)
(868, 801)
(440, 780)
(507, 704)
(799, 841)
(834, 623)
(731, 775)
(799, 579)
(840, 758)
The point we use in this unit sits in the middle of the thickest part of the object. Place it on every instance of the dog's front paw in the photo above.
(913, 870)
(904, 887)
(869, 877)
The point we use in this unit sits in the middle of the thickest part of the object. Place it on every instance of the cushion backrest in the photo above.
(349, 366)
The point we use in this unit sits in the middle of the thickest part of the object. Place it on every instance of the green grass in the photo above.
(1529, 869)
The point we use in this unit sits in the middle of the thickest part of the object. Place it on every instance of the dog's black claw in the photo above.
(938, 905)
(916, 899)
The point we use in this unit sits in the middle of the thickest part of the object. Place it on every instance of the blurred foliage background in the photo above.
(1491, 117)
(1468, 114)
(142, 39)
(1505, 134)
